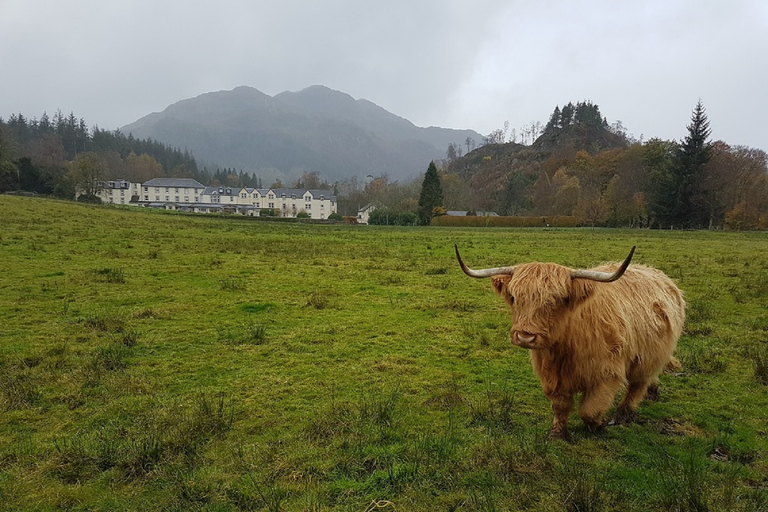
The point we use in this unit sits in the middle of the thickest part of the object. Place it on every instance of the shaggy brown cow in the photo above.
(592, 332)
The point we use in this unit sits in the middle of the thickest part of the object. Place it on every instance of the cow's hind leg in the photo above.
(635, 393)
(595, 403)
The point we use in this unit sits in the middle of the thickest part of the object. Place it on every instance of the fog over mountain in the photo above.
(314, 130)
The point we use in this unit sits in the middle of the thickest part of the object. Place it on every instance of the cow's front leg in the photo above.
(596, 402)
(562, 405)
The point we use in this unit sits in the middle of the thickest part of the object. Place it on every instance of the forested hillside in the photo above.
(583, 167)
(50, 156)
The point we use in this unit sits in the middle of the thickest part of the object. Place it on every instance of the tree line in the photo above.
(580, 166)
(54, 156)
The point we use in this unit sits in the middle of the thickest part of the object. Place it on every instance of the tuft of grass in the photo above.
(586, 490)
(128, 337)
(105, 322)
(697, 357)
(759, 358)
(319, 300)
(685, 484)
(233, 284)
(494, 410)
(246, 333)
(110, 275)
(18, 387)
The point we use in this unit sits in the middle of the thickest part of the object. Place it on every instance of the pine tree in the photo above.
(431, 195)
(685, 201)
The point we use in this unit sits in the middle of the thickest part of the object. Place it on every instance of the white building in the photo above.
(119, 192)
(190, 195)
(171, 190)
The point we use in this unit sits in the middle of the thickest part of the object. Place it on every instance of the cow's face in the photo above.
(540, 294)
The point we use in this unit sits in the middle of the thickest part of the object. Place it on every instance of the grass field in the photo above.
(152, 361)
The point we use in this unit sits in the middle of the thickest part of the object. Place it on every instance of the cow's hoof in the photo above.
(652, 393)
(623, 417)
(594, 425)
(562, 435)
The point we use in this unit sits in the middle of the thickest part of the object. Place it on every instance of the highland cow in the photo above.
(592, 332)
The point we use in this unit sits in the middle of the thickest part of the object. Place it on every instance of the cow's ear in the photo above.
(581, 289)
(500, 283)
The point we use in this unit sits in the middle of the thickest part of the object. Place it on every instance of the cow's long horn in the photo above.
(604, 277)
(486, 272)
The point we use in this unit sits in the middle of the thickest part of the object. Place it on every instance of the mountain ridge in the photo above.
(317, 129)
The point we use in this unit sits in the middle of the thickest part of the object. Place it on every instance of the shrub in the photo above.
(562, 221)
(335, 216)
(267, 212)
(392, 218)
(303, 215)
(88, 198)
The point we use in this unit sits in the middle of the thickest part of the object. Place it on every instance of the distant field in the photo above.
(154, 361)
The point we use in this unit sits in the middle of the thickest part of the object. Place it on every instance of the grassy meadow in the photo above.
(157, 362)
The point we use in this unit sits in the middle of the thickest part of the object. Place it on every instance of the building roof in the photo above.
(223, 191)
(299, 193)
(173, 182)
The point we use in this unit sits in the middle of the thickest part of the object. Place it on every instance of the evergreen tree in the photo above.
(431, 195)
(683, 203)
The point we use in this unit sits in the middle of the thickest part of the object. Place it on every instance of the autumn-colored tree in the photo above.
(86, 173)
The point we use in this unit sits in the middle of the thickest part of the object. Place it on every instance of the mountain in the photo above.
(282, 136)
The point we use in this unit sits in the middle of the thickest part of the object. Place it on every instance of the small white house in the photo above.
(364, 213)
(119, 192)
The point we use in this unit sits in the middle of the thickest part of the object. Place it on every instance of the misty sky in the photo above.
(437, 63)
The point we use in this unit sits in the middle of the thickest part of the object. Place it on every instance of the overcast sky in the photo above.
(435, 62)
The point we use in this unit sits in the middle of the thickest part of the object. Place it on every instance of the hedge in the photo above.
(561, 221)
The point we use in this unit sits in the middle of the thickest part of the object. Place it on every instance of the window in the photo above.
(308, 198)
(186, 199)
(157, 189)
(146, 197)
(146, 189)
(271, 205)
(271, 196)
(308, 206)
(197, 200)
(177, 190)
(167, 198)
(177, 199)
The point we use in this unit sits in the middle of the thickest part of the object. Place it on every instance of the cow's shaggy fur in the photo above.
(594, 338)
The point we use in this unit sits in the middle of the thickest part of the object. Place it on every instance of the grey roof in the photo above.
(223, 191)
(299, 193)
(173, 182)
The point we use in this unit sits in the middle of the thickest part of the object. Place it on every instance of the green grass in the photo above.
(156, 361)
